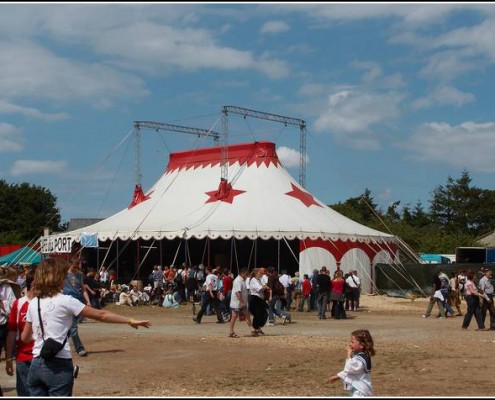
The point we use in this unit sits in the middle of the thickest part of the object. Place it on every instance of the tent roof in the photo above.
(24, 255)
(260, 199)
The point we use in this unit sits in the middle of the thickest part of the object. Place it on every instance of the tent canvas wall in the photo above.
(259, 200)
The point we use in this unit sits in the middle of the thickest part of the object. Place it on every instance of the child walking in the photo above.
(356, 374)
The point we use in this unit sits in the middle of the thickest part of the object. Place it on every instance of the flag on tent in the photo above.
(89, 239)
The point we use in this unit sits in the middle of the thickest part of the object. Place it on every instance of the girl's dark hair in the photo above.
(31, 271)
(364, 337)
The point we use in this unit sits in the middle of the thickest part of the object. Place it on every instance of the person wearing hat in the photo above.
(486, 287)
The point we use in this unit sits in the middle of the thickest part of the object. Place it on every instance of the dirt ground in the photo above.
(175, 357)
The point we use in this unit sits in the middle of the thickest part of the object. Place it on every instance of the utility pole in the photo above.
(246, 112)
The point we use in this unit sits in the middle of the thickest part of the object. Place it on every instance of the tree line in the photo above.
(458, 214)
(25, 210)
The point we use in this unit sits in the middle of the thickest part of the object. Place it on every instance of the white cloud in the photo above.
(9, 108)
(446, 66)
(409, 14)
(28, 70)
(477, 38)
(10, 138)
(373, 76)
(26, 167)
(350, 115)
(312, 89)
(274, 27)
(469, 145)
(289, 157)
(143, 44)
(126, 40)
(385, 195)
(444, 95)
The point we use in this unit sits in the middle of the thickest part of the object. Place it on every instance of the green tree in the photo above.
(362, 209)
(25, 210)
(456, 206)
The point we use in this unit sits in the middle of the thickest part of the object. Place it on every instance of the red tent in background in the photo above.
(9, 248)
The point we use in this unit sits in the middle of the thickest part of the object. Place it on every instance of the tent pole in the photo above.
(231, 251)
(185, 250)
(208, 263)
(250, 256)
(236, 259)
(117, 274)
(204, 252)
(136, 266)
(161, 253)
(255, 252)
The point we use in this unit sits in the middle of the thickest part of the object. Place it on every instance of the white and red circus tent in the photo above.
(260, 201)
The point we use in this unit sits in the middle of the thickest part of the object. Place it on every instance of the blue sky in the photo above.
(397, 96)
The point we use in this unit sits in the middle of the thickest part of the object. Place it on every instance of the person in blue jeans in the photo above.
(75, 287)
(49, 316)
(473, 303)
(275, 304)
(323, 283)
(444, 289)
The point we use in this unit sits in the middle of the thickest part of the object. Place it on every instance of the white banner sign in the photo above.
(56, 245)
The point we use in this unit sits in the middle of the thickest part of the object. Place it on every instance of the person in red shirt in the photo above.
(227, 283)
(337, 295)
(306, 292)
(14, 345)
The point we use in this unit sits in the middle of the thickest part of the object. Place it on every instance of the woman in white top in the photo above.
(257, 304)
(54, 377)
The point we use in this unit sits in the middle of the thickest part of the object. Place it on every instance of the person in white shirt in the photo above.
(286, 280)
(257, 303)
(239, 302)
(486, 287)
(356, 374)
(49, 316)
(210, 296)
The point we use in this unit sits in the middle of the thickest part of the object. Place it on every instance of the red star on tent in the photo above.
(138, 197)
(305, 197)
(224, 193)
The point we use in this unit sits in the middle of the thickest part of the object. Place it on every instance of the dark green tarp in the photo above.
(24, 255)
(407, 279)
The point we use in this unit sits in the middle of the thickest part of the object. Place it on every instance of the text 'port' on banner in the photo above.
(56, 245)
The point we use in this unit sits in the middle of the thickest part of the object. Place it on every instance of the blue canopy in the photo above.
(24, 255)
(434, 259)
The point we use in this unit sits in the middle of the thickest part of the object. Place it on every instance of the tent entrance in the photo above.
(135, 259)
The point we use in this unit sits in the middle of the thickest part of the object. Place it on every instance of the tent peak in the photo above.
(245, 153)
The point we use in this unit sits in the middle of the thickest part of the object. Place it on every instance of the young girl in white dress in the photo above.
(356, 374)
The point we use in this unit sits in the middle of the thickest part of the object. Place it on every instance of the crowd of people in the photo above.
(211, 291)
(261, 297)
(475, 289)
